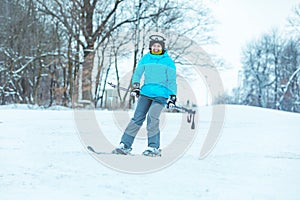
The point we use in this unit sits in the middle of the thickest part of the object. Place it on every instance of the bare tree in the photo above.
(84, 14)
(271, 73)
(289, 78)
(36, 71)
(261, 61)
(25, 52)
(96, 20)
(294, 20)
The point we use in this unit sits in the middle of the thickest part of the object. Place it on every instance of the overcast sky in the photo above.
(241, 21)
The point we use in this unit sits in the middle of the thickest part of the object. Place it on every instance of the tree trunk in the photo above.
(70, 69)
(87, 68)
(37, 83)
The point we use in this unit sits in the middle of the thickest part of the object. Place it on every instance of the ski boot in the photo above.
(122, 149)
(153, 152)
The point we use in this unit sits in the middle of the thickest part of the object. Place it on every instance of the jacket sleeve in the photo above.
(138, 72)
(171, 73)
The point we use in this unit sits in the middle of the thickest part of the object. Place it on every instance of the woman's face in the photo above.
(156, 47)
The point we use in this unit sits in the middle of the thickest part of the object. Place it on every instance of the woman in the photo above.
(159, 89)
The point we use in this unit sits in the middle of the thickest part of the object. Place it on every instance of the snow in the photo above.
(43, 157)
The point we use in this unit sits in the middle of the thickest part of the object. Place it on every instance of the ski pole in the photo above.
(191, 113)
(117, 87)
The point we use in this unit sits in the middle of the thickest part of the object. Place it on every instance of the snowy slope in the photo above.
(256, 157)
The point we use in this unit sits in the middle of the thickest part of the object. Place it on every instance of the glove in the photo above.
(171, 101)
(135, 92)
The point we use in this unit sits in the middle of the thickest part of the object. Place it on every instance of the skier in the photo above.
(159, 89)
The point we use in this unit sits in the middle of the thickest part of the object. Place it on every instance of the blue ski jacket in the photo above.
(159, 75)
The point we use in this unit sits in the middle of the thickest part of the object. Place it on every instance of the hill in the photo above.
(257, 156)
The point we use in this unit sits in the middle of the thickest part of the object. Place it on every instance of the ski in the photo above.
(107, 153)
(116, 152)
(97, 152)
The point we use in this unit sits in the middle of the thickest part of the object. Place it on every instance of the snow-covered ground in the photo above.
(43, 157)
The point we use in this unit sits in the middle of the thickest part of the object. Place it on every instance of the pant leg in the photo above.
(136, 122)
(153, 123)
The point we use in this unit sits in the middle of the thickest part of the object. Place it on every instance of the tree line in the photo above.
(59, 52)
(270, 75)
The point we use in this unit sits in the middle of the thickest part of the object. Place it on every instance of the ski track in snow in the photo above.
(256, 157)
